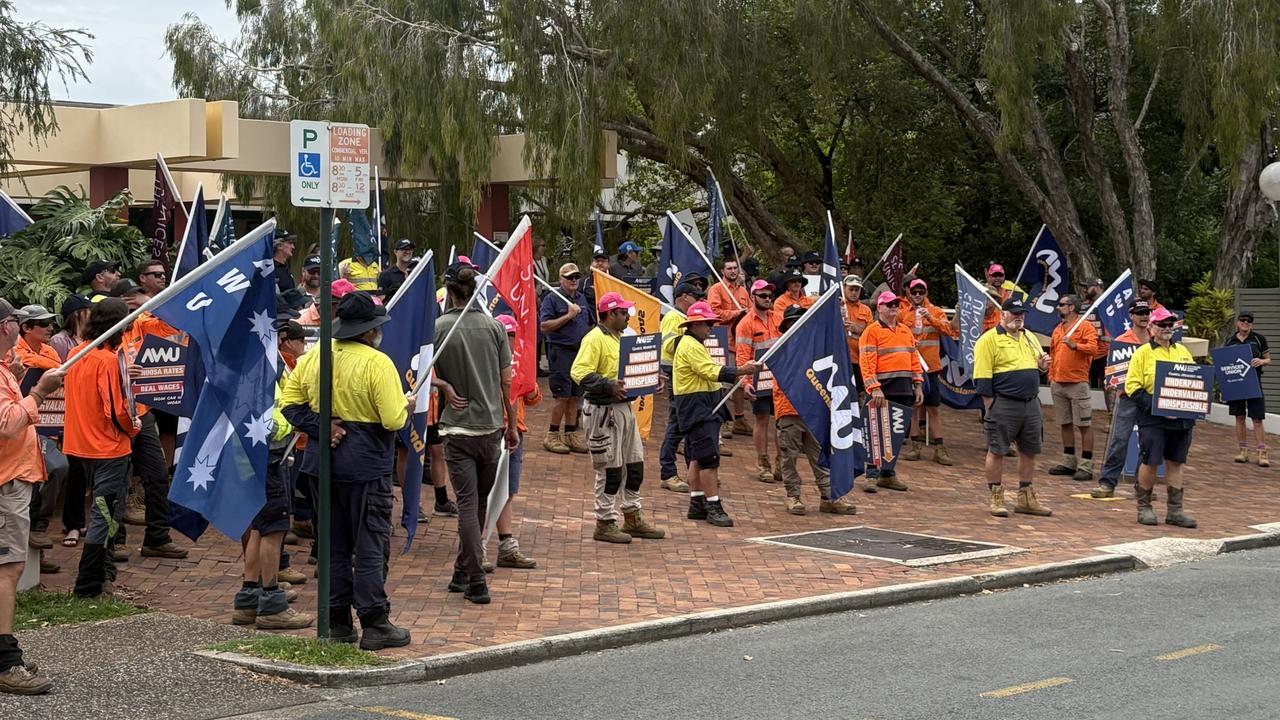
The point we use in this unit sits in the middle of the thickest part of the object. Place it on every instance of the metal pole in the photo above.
(326, 422)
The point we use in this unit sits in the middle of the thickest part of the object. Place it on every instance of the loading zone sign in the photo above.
(329, 164)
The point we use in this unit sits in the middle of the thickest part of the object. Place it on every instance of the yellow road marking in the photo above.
(1197, 650)
(1025, 687)
(1087, 496)
(406, 714)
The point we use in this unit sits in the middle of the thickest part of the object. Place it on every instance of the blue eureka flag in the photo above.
(715, 221)
(812, 368)
(408, 339)
(224, 229)
(1050, 278)
(195, 241)
(12, 218)
(1113, 305)
(230, 314)
(677, 258)
(830, 257)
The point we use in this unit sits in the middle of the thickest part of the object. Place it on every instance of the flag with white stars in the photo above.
(229, 314)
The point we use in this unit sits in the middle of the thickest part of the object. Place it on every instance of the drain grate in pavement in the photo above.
(904, 548)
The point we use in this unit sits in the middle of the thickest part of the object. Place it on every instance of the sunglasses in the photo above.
(1165, 325)
(41, 323)
(153, 273)
(764, 296)
(917, 292)
(1244, 320)
(1064, 304)
(574, 276)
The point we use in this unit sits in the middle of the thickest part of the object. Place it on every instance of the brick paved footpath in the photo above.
(582, 584)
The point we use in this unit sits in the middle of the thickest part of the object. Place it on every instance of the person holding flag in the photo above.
(617, 455)
(390, 280)
(696, 379)
(756, 333)
(857, 317)
(891, 372)
(928, 324)
(793, 294)
(509, 555)
(672, 327)
(369, 408)
(1071, 351)
(1007, 363)
(1125, 412)
(998, 285)
(563, 326)
(729, 298)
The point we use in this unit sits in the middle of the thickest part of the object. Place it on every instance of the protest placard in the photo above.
(1237, 378)
(1182, 390)
(163, 364)
(638, 364)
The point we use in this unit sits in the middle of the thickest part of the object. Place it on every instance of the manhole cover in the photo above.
(903, 548)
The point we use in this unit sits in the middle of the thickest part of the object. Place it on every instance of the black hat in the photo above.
(794, 262)
(1140, 307)
(690, 277)
(294, 299)
(74, 303)
(357, 314)
(290, 330)
(1243, 314)
(451, 272)
(793, 275)
(1149, 283)
(311, 262)
(92, 270)
(1014, 305)
(751, 267)
(599, 252)
(283, 235)
(688, 288)
(125, 287)
(790, 316)
(812, 257)
(404, 244)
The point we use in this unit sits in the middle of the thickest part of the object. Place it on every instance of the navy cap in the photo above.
(688, 288)
(311, 262)
(1140, 307)
(451, 272)
(1014, 305)
(404, 244)
(812, 257)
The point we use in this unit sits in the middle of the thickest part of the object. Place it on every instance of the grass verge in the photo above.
(301, 651)
(38, 609)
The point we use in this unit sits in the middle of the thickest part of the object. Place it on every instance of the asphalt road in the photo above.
(1198, 640)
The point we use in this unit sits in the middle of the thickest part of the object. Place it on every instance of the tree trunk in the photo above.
(1244, 218)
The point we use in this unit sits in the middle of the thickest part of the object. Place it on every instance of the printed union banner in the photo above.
(52, 412)
(762, 381)
(1118, 356)
(1237, 379)
(164, 365)
(1182, 390)
(638, 364)
(718, 345)
(886, 429)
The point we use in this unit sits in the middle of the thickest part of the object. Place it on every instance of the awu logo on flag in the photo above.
(812, 368)
(1050, 281)
(955, 382)
(1113, 305)
(886, 429)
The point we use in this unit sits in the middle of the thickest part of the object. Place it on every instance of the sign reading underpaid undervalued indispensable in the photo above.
(1182, 390)
(638, 364)
(717, 344)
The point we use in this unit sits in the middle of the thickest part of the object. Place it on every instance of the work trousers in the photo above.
(794, 438)
(1124, 416)
(473, 465)
(109, 480)
(359, 540)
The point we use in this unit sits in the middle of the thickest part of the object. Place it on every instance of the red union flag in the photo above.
(514, 281)
(168, 216)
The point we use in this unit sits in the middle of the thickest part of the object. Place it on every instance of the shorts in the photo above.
(166, 423)
(559, 363)
(702, 444)
(433, 435)
(1008, 420)
(762, 406)
(1072, 404)
(1255, 408)
(932, 390)
(274, 515)
(15, 521)
(1156, 443)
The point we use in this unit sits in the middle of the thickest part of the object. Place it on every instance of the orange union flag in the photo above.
(643, 321)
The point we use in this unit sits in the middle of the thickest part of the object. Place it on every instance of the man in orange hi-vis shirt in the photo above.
(756, 333)
(928, 324)
(892, 372)
(1070, 352)
(730, 299)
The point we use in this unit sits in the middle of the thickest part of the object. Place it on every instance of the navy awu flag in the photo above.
(812, 368)
(1113, 305)
(715, 218)
(955, 382)
(230, 314)
(677, 258)
(195, 241)
(1050, 280)
(482, 256)
(409, 340)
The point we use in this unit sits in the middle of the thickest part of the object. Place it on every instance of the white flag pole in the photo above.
(377, 210)
(173, 187)
(551, 288)
(1030, 253)
(1094, 306)
(182, 284)
(672, 219)
(883, 257)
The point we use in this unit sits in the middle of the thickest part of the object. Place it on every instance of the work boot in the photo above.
(635, 525)
(341, 628)
(1242, 456)
(697, 507)
(1084, 471)
(608, 531)
(726, 431)
(913, 453)
(795, 506)
(290, 595)
(725, 451)
(287, 619)
(1262, 458)
(1102, 491)
(447, 508)
(1173, 514)
(763, 472)
(576, 442)
(891, 482)
(245, 606)
(379, 633)
(742, 427)
(20, 680)
(1066, 467)
(39, 540)
(485, 563)
(554, 443)
(516, 559)
(1146, 516)
(869, 484)
(291, 576)
(1011, 452)
(119, 554)
(942, 457)
(1029, 504)
(459, 582)
(675, 483)
(996, 501)
(167, 550)
(49, 567)
(839, 506)
(716, 514)
(135, 509)
(477, 593)
(304, 529)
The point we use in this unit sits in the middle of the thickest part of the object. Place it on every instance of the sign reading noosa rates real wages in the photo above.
(1182, 390)
(638, 364)
(164, 366)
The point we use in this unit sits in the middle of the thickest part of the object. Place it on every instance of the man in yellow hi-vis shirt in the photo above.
(1159, 438)
(613, 437)
(686, 294)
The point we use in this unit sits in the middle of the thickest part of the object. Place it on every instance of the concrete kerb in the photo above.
(526, 652)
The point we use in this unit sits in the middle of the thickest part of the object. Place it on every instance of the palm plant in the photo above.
(43, 262)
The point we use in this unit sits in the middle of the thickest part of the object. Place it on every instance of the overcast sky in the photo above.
(129, 61)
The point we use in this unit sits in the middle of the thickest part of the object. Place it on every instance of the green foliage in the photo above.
(43, 262)
(301, 651)
(1210, 310)
(37, 609)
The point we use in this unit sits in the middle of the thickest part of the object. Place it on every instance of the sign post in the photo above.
(328, 168)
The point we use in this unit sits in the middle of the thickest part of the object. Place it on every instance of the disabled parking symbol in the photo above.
(309, 165)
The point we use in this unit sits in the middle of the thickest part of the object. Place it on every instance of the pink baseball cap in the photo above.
(508, 323)
(995, 268)
(613, 301)
(700, 312)
(340, 288)
(888, 298)
(916, 282)
(759, 285)
(1162, 314)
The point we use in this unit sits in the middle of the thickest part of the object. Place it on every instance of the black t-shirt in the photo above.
(1257, 344)
(284, 276)
(390, 280)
